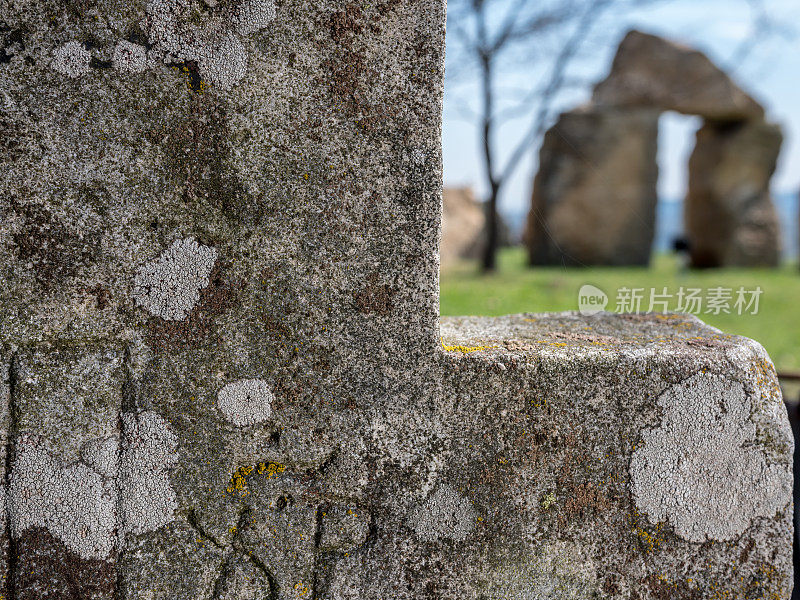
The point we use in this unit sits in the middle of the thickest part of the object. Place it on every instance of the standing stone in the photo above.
(463, 221)
(594, 195)
(463, 227)
(651, 72)
(222, 362)
(730, 217)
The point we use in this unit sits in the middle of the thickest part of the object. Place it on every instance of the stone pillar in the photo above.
(730, 217)
(594, 196)
(222, 370)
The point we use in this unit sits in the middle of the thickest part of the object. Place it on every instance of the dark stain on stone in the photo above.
(584, 500)
(96, 63)
(12, 135)
(661, 589)
(346, 72)
(137, 36)
(13, 43)
(101, 295)
(217, 297)
(746, 551)
(347, 22)
(611, 585)
(54, 251)
(375, 298)
(192, 70)
(199, 147)
(47, 569)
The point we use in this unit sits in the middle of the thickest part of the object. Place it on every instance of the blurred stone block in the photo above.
(730, 217)
(652, 72)
(594, 196)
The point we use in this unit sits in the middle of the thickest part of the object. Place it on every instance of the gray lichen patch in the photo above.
(221, 58)
(71, 59)
(701, 470)
(85, 504)
(246, 402)
(102, 455)
(446, 514)
(253, 15)
(169, 287)
(147, 500)
(180, 32)
(129, 57)
(74, 503)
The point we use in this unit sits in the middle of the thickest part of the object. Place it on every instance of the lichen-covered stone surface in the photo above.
(222, 374)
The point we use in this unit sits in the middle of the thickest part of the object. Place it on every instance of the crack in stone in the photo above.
(258, 564)
(13, 426)
(234, 550)
(127, 404)
(219, 585)
(321, 509)
(191, 519)
(271, 581)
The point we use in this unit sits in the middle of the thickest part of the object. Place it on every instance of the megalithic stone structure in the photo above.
(223, 374)
(594, 196)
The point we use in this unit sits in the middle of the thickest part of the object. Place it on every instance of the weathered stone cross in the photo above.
(223, 376)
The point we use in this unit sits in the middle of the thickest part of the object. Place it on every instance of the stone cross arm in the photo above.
(223, 371)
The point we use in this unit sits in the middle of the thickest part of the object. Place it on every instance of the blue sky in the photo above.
(771, 74)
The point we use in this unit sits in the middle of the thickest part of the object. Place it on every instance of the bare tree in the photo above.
(491, 35)
(487, 38)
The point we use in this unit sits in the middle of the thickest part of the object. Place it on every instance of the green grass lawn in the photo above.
(517, 288)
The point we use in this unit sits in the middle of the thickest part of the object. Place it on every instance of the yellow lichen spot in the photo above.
(238, 482)
(301, 590)
(465, 349)
(539, 402)
(548, 501)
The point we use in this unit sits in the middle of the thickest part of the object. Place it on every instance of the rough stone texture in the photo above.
(652, 72)
(730, 217)
(594, 197)
(316, 177)
(595, 192)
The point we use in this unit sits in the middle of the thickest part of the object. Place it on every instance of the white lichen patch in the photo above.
(71, 59)
(85, 504)
(222, 59)
(179, 32)
(701, 470)
(149, 449)
(169, 287)
(253, 15)
(129, 57)
(246, 402)
(74, 503)
(445, 514)
(102, 455)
